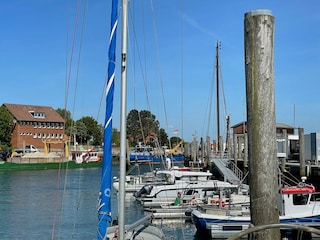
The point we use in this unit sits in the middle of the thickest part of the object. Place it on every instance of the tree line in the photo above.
(142, 126)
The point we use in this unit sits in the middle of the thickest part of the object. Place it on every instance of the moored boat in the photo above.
(91, 155)
(145, 154)
(141, 154)
(157, 176)
(188, 183)
(298, 204)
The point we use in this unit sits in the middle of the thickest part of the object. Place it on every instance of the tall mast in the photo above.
(123, 122)
(218, 103)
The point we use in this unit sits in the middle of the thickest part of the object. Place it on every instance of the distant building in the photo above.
(241, 128)
(290, 151)
(33, 124)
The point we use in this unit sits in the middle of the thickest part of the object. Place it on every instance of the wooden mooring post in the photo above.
(262, 146)
(301, 153)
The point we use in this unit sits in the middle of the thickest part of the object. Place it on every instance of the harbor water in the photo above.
(62, 204)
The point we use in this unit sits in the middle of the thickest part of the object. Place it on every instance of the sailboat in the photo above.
(142, 228)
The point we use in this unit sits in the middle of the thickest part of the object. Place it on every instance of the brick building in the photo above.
(33, 124)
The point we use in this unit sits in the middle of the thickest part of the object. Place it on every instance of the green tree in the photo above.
(141, 126)
(163, 138)
(6, 126)
(97, 135)
(94, 131)
(174, 141)
(115, 137)
(81, 132)
(133, 126)
(66, 115)
(72, 133)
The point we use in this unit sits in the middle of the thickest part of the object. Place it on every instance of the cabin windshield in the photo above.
(165, 177)
(300, 199)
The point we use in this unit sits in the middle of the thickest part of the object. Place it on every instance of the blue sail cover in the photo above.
(104, 207)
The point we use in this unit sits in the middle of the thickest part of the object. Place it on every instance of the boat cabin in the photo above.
(298, 198)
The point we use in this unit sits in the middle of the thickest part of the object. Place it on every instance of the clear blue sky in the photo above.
(176, 58)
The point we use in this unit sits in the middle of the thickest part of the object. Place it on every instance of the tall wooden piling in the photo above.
(262, 146)
(301, 153)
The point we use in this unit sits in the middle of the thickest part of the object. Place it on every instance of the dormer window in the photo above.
(37, 114)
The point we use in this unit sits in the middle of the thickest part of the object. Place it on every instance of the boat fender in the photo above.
(219, 201)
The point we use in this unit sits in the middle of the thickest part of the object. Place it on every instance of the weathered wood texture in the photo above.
(301, 153)
(262, 146)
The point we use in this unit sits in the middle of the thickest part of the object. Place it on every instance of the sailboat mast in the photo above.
(123, 122)
(218, 97)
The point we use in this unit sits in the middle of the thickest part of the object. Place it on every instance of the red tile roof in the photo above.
(23, 113)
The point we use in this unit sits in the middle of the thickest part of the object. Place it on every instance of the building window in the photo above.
(37, 114)
(35, 135)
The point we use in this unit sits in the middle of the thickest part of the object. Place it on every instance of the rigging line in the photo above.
(55, 206)
(65, 113)
(66, 101)
(145, 70)
(74, 104)
(102, 94)
(224, 105)
(224, 99)
(136, 47)
(134, 67)
(135, 43)
(79, 57)
(210, 102)
(159, 68)
(144, 74)
(72, 52)
(141, 128)
(182, 65)
(144, 48)
(223, 94)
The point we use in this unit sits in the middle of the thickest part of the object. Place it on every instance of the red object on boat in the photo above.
(301, 188)
(184, 169)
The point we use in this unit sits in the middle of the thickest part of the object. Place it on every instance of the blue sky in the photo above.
(170, 66)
